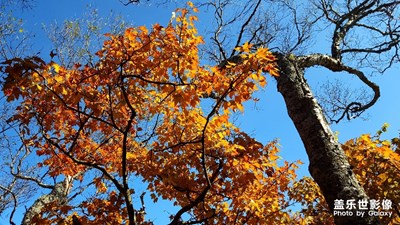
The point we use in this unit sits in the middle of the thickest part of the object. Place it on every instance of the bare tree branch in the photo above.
(336, 65)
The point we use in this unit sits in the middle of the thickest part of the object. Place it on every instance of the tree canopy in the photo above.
(146, 110)
(137, 112)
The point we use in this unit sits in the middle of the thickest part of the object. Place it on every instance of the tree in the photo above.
(375, 163)
(362, 34)
(14, 191)
(75, 40)
(138, 112)
(329, 165)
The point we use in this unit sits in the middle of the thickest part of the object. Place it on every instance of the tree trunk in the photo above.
(328, 163)
(59, 193)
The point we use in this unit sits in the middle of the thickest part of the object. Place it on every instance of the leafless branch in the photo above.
(375, 19)
(129, 2)
(244, 26)
(336, 65)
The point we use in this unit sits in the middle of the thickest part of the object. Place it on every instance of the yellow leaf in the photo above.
(240, 107)
(58, 79)
(64, 91)
(246, 47)
(56, 67)
(382, 176)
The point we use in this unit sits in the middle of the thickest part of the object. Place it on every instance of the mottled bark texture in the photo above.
(59, 194)
(328, 163)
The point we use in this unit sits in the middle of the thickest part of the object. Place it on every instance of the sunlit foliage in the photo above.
(139, 112)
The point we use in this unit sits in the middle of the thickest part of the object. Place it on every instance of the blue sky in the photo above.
(266, 119)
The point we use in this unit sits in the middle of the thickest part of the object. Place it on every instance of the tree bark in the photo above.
(328, 163)
(59, 193)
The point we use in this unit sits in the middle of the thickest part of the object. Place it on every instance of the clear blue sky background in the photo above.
(267, 119)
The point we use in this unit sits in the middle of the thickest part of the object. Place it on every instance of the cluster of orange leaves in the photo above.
(376, 163)
(138, 112)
